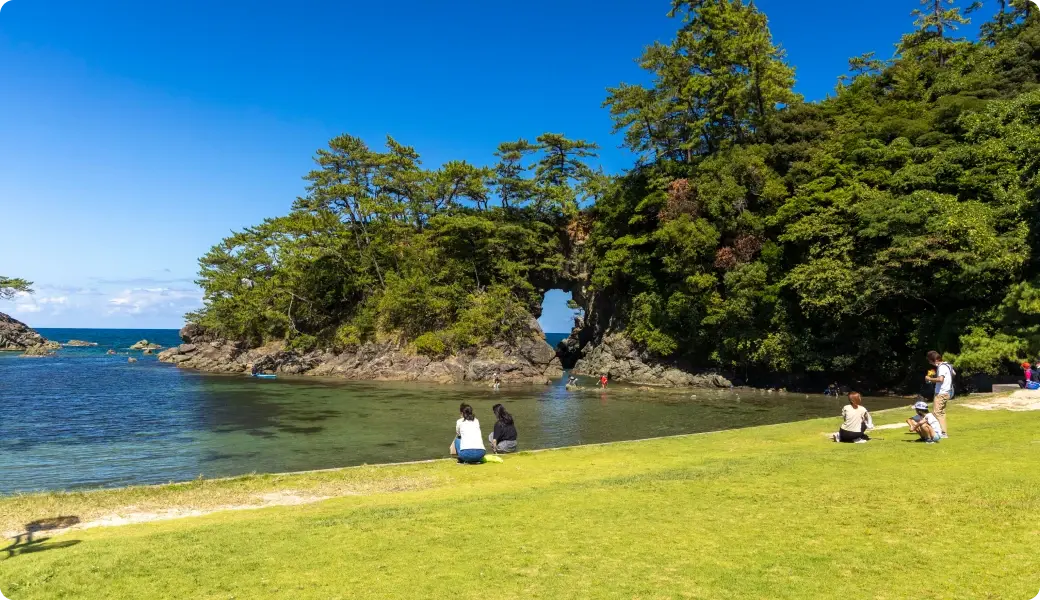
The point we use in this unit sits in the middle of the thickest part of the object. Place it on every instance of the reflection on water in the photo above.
(83, 419)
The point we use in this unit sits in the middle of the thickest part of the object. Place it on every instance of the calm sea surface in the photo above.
(83, 419)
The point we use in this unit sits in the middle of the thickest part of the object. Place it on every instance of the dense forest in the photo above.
(757, 233)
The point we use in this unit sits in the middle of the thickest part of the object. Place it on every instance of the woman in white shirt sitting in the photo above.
(469, 443)
(855, 421)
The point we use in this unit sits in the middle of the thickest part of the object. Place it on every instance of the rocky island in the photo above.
(80, 344)
(145, 345)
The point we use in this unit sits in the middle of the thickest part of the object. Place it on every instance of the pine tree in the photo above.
(514, 188)
(718, 82)
(1022, 9)
(562, 172)
(9, 286)
(935, 24)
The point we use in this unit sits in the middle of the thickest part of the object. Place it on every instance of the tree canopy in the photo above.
(382, 248)
(765, 234)
(756, 232)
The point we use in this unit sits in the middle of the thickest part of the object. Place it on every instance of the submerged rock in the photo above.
(528, 360)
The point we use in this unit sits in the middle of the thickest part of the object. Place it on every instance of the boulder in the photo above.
(145, 345)
(17, 336)
(131, 360)
(149, 351)
(111, 352)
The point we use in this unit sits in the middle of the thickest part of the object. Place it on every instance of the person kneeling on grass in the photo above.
(855, 420)
(503, 438)
(469, 443)
(925, 424)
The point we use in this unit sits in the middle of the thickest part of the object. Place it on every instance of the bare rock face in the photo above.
(38, 351)
(618, 358)
(530, 360)
(17, 336)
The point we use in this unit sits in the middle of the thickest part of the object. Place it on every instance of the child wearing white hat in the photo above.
(925, 424)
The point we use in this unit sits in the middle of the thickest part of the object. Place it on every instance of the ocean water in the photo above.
(84, 419)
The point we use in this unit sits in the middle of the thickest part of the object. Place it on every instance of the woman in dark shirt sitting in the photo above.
(503, 438)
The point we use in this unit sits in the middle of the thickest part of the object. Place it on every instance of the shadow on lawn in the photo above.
(26, 543)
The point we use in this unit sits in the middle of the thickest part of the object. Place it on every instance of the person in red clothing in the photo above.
(603, 380)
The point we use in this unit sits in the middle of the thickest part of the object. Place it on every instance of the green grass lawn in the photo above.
(769, 512)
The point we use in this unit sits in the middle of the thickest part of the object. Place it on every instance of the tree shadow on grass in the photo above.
(28, 542)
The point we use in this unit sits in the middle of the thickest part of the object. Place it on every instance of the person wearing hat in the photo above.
(925, 424)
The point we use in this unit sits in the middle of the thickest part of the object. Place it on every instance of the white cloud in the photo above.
(156, 300)
(27, 303)
(152, 305)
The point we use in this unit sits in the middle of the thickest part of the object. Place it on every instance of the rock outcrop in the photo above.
(79, 344)
(38, 351)
(620, 359)
(145, 345)
(16, 336)
(528, 361)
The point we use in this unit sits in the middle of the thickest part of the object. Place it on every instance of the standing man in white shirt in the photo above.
(943, 381)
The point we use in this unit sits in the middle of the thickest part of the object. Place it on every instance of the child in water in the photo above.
(603, 381)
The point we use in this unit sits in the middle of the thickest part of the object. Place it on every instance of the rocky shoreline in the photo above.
(16, 336)
(618, 357)
(528, 361)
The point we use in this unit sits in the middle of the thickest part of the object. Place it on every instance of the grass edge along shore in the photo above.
(770, 511)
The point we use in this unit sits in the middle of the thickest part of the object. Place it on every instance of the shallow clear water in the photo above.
(84, 419)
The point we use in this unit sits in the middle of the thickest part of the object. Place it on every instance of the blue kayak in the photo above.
(265, 376)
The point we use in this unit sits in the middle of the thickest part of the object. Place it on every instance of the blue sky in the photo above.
(135, 135)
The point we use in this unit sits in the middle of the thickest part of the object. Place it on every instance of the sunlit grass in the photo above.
(768, 512)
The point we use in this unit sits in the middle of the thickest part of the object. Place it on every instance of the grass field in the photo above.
(769, 512)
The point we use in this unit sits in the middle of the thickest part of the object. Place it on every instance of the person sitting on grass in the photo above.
(925, 424)
(469, 443)
(503, 438)
(854, 421)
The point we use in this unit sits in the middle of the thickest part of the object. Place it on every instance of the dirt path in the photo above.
(131, 516)
(1022, 400)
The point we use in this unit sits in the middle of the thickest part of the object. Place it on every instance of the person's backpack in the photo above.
(953, 375)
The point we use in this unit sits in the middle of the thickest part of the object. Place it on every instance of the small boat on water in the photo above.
(264, 376)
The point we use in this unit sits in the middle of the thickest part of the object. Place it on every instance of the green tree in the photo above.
(935, 23)
(9, 286)
(719, 81)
